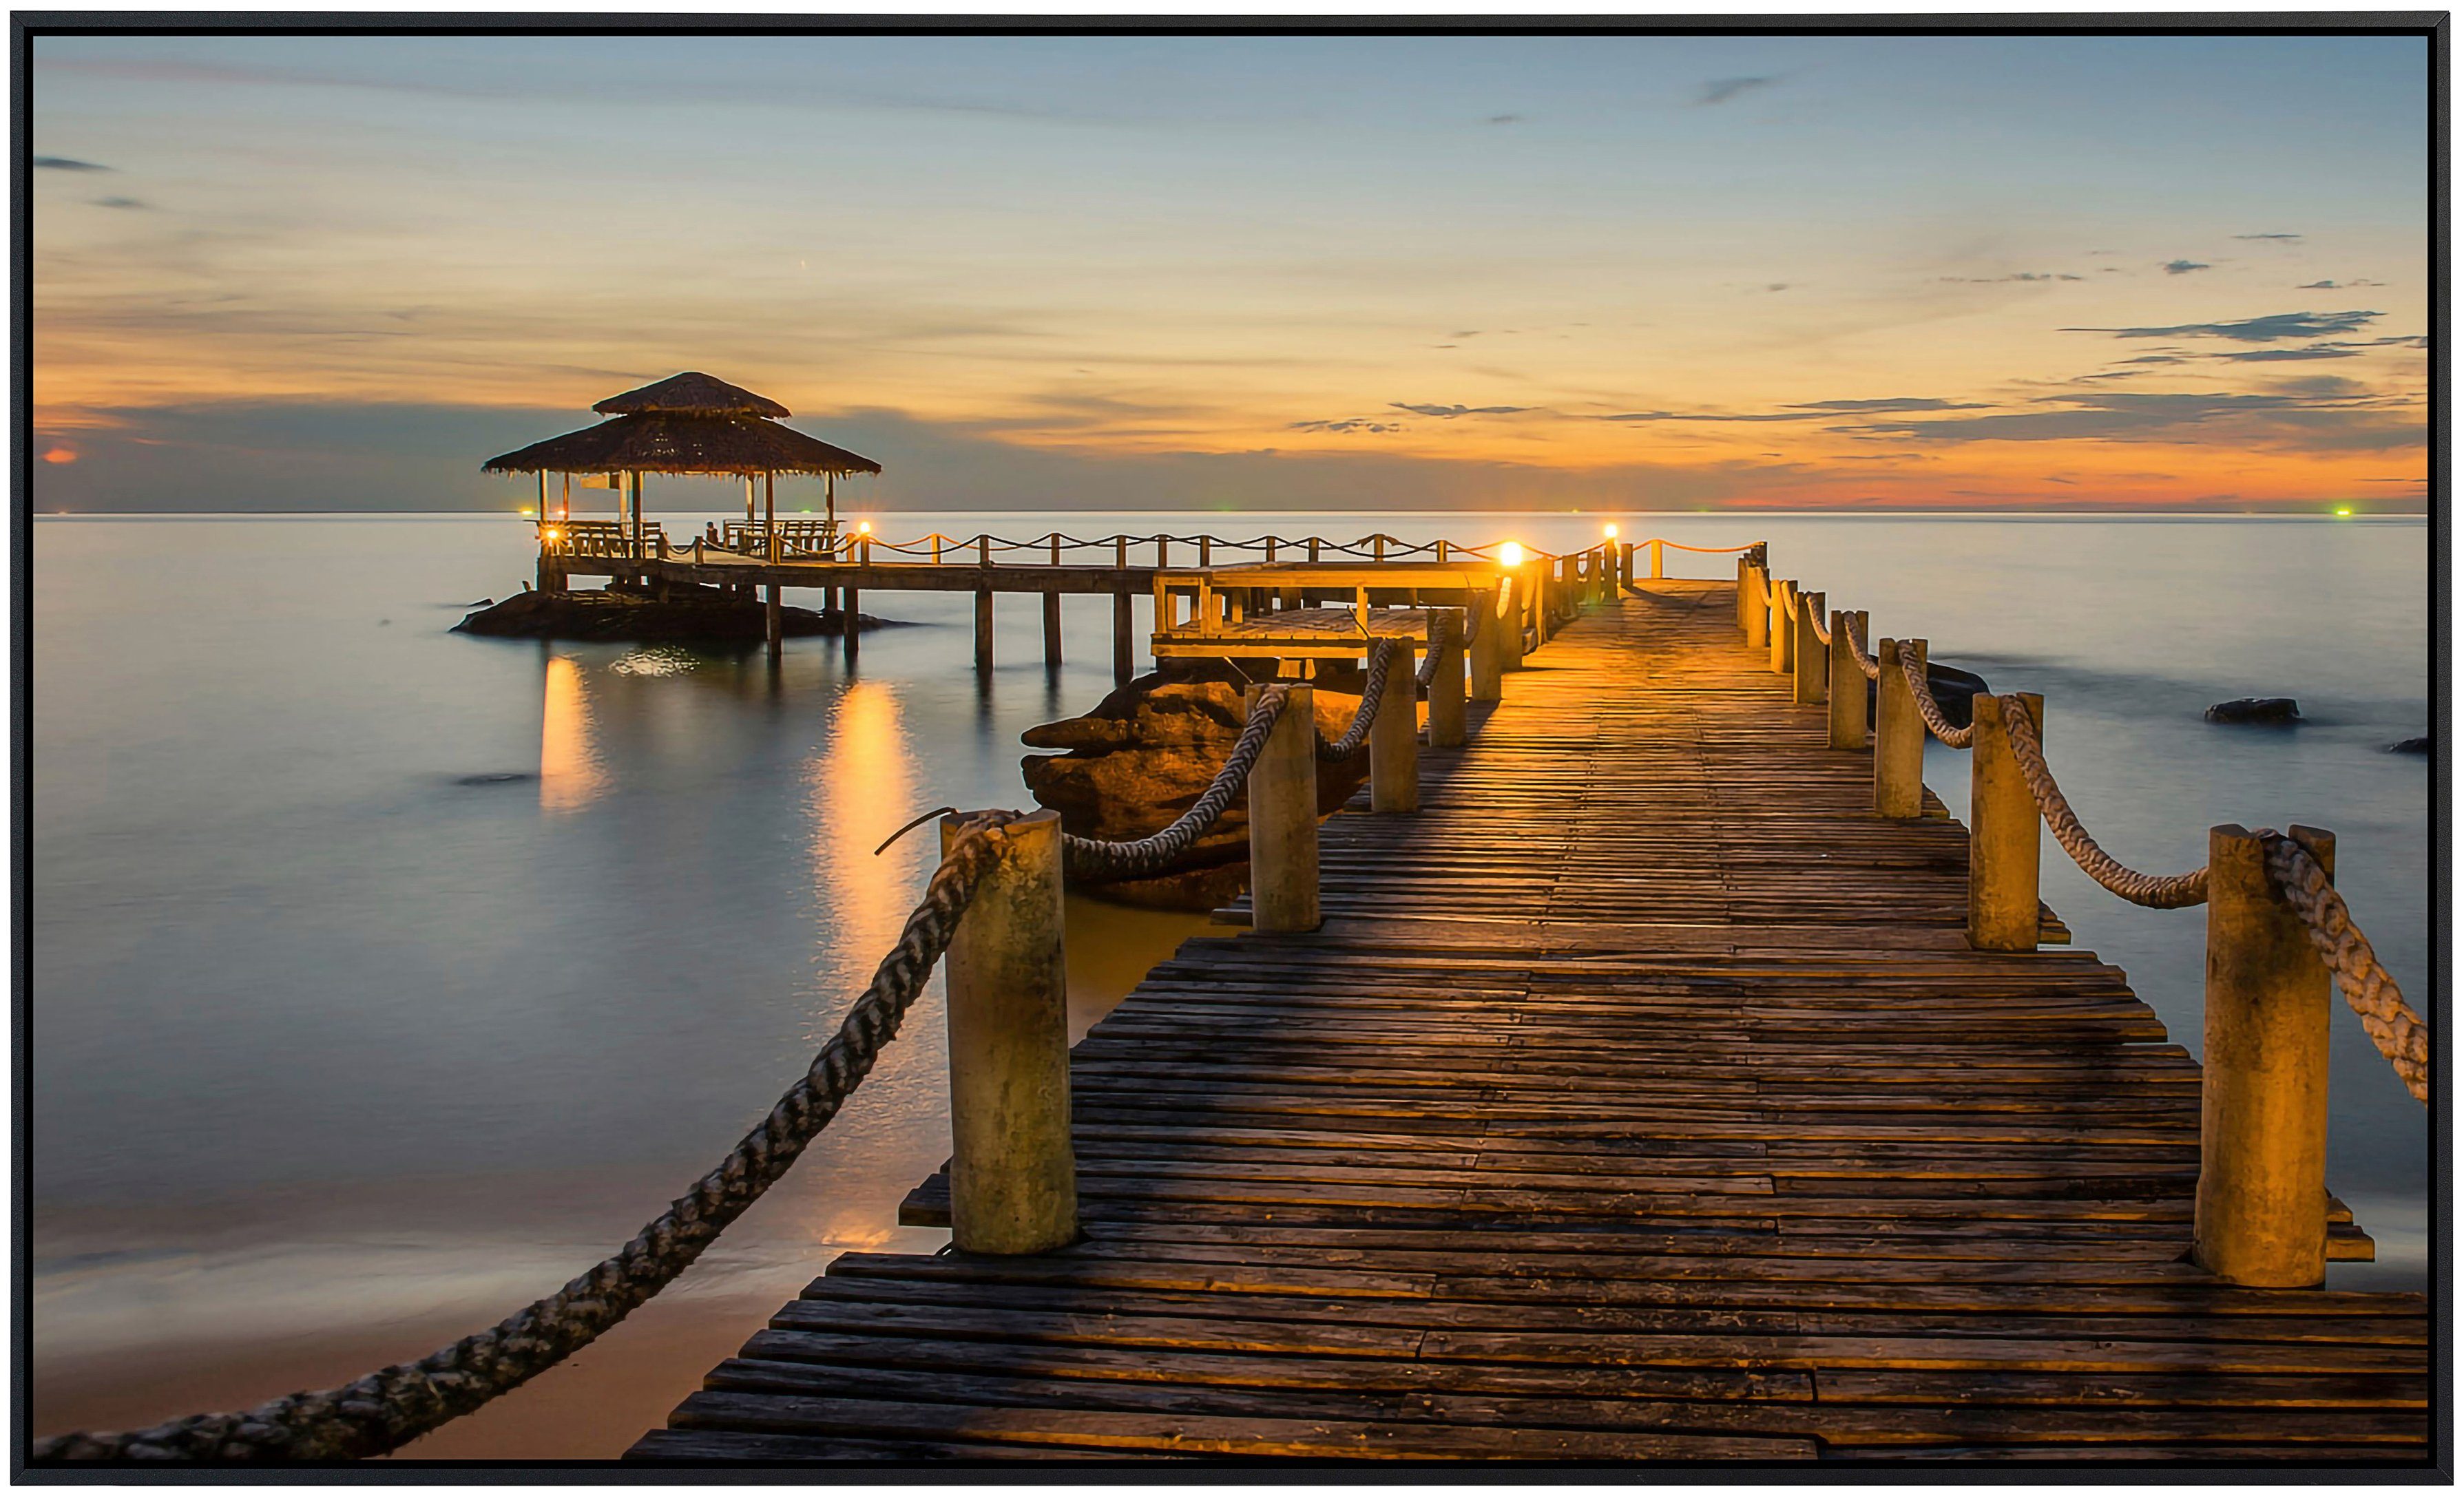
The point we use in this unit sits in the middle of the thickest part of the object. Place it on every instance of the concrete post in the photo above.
(1446, 684)
(1395, 739)
(1756, 603)
(1847, 688)
(1518, 603)
(2260, 1216)
(1283, 817)
(1899, 736)
(772, 622)
(983, 631)
(1488, 647)
(2004, 841)
(1124, 653)
(1052, 631)
(1657, 566)
(1626, 563)
(1783, 627)
(1807, 658)
(1013, 1177)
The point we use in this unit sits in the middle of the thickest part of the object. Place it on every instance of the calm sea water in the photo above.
(385, 977)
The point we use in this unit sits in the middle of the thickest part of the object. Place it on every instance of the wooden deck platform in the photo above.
(1640, 1100)
(1293, 633)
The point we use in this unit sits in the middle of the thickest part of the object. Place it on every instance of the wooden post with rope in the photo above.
(1847, 688)
(1283, 816)
(1899, 734)
(1808, 658)
(1446, 708)
(1013, 1174)
(1394, 737)
(2005, 832)
(2259, 1217)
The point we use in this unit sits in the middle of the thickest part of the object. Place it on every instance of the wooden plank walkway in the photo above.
(1640, 1100)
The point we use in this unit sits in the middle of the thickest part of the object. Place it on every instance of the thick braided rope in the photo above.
(1872, 667)
(2179, 891)
(1149, 855)
(1821, 635)
(386, 1409)
(1355, 736)
(2399, 1032)
(1932, 709)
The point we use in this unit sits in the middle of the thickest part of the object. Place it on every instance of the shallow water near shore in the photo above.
(383, 978)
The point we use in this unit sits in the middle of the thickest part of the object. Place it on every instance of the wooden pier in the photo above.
(1641, 1098)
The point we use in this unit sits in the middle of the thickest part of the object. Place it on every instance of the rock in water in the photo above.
(2269, 710)
(1147, 752)
(2410, 745)
(690, 615)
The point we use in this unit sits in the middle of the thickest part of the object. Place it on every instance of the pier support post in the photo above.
(1283, 817)
(1754, 599)
(850, 602)
(1488, 647)
(1625, 565)
(1052, 631)
(2005, 841)
(1806, 657)
(1783, 626)
(1395, 739)
(1447, 683)
(2260, 1215)
(1124, 656)
(774, 624)
(1847, 684)
(1013, 1177)
(983, 631)
(1899, 736)
(1518, 602)
(1656, 564)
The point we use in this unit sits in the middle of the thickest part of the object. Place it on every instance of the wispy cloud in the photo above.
(1811, 411)
(2273, 328)
(2283, 237)
(2317, 350)
(2337, 285)
(120, 202)
(2019, 276)
(1720, 89)
(2317, 414)
(1449, 413)
(1505, 119)
(68, 163)
(2183, 267)
(1359, 423)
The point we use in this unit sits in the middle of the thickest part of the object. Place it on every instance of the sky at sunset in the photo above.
(1271, 272)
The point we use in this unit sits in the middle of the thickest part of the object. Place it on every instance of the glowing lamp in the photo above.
(1509, 555)
(864, 527)
(2343, 511)
(1609, 530)
(526, 514)
(553, 532)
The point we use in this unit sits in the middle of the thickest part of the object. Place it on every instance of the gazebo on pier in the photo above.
(687, 423)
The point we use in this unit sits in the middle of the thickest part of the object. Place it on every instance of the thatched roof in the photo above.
(671, 443)
(690, 394)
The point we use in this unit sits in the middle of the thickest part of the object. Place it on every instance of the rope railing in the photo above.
(2180, 890)
(1871, 667)
(2399, 1032)
(1150, 855)
(971, 550)
(386, 1409)
(1381, 659)
(1928, 708)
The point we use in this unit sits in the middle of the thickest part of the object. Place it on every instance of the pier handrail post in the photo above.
(1518, 603)
(1488, 646)
(1394, 737)
(1847, 688)
(1446, 680)
(1812, 665)
(1013, 1176)
(1753, 600)
(1899, 736)
(1283, 816)
(2260, 1213)
(2005, 832)
(1656, 562)
(1783, 626)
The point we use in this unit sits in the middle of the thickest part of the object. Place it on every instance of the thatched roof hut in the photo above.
(687, 423)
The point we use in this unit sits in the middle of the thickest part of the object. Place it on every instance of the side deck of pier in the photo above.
(1640, 1099)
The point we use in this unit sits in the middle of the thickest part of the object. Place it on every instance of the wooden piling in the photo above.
(2005, 840)
(1446, 724)
(1783, 626)
(983, 631)
(1755, 602)
(1899, 736)
(1847, 688)
(1487, 644)
(1394, 737)
(1125, 659)
(774, 621)
(2259, 1217)
(1283, 817)
(1013, 1176)
(1807, 659)
(1658, 568)
(1052, 631)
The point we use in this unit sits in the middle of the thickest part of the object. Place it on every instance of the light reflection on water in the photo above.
(347, 1044)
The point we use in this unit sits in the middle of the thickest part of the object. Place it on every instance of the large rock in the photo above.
(690, 615)
(1145, 754)
(2410, 745)
(2265, 710)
